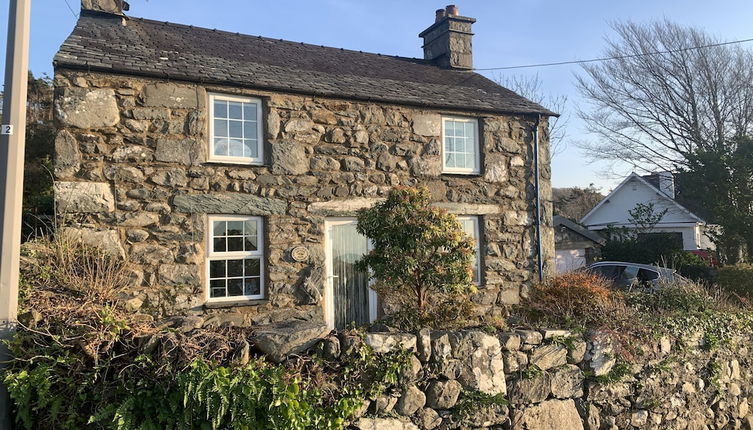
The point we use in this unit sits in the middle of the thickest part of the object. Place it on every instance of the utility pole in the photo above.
(12, 142)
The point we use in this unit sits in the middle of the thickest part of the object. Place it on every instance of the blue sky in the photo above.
(507, 33)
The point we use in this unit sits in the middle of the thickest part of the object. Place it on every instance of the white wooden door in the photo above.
(348, 298)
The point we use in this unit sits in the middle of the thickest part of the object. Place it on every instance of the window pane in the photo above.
(235, 109)
(219, 228)
(236, 148)
(251, 148)
(234, 287)
(249, 111)
(249, 130)
(253, 267)
(469, 133)
(220, 128)
(252, 286)
(236, 129)
(217, 269)
(250, 228)
(460, 145)
(217, 288)
(250, 243)
(449, 128)
(220, 109)
(234, 268)
(235, 228)
(470, 161)
(450, 160)
(235, 244)
(220, 245)
(221, 146)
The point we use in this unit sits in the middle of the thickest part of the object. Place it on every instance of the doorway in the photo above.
(348, 298)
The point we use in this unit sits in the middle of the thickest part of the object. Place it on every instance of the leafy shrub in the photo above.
(80, 361)
(420, 259)
(674, 297)
(578, 299)
(692, 267)
(736, 280)
(647, 248)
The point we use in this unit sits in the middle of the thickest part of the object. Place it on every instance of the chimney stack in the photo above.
(667, 183)
(114, 7)
(447, 42)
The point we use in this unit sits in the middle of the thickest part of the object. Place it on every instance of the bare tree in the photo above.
(671, 91)
(530, 88)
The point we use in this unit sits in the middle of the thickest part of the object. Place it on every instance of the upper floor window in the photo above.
(460, 148)
(235, 129)
(235, 257)
(470, 226)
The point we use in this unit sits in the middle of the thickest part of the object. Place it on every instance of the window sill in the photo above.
(235, 303)
(236, 162)
(461, 174)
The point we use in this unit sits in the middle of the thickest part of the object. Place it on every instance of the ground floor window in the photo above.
(235, 258)
(470, 225)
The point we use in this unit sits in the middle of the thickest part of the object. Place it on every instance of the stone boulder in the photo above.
(530, 390)
(567, 382)
(384, 424)
(386, 342)
(289, 158)
(84, 197)
(410, 401)
(105, 240)
(289, 337)
(602, 357)
(172, 96)
(475, 356)
(87, 108)
(549, 356)
(442, 394)
(552, 414)
(67, 156)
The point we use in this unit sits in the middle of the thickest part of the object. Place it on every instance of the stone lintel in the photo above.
(469, 208)
(229, 203)
(343, 207)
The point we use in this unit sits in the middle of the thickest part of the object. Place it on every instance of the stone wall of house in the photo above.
(132, 177)
(554, 379)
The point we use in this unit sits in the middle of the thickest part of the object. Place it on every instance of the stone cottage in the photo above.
(228, 168)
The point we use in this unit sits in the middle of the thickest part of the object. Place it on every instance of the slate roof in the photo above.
(100, 42)
(559, 220)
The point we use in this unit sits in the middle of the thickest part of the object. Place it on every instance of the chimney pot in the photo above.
(452, 10)
(440, 15)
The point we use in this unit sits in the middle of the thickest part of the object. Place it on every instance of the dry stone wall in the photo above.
(132, 176)
(554, 379)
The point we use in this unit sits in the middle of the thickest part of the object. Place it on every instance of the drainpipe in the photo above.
(537, 191)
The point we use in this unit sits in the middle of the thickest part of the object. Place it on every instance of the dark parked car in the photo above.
(627, 275)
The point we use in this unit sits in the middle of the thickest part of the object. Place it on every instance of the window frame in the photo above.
(259, 160)
(476, 219)
(211, 255)
(477, 146)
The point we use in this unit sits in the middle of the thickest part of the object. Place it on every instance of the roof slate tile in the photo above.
(180, 52)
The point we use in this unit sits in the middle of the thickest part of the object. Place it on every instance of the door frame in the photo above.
(329, 299)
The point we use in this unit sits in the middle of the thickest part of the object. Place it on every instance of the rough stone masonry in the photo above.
(132, 176)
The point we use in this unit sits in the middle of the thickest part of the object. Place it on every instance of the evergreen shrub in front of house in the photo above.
(420, 261)
(81, 361)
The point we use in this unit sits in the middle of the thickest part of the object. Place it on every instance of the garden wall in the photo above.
(554, 379)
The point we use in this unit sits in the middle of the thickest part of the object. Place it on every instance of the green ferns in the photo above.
(259, 395)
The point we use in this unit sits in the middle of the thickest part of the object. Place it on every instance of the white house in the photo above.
(658, 189)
